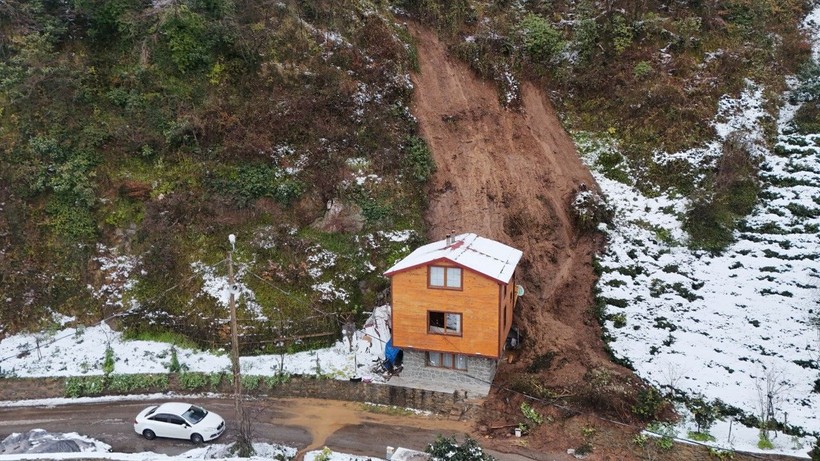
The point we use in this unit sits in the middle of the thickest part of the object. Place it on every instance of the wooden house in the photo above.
(452, 306)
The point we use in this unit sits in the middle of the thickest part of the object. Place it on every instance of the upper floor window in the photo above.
(444, 277)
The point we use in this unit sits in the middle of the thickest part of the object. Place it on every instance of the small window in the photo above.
(444, 277)
(444, 323)
(453, 277)
(446, 360)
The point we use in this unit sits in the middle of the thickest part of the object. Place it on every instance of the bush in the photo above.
(704, 413)
(731, 195)
(815, 452)
(82, 386)
(251, 382)
(108, 361)
(448, 449)
(532, 415)
(642, 69)
(542, 42)
(590, 209)
(649, 405)
(763, 441)
(174, 365)
(194, 380)
(418, 161)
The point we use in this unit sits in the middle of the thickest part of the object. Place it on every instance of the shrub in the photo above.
(448, 449)
(622, 33)
(815, 452)
(704, 413)
(722, 455)
(642, 69)
(215, 379)
(81, 386)
(251, 382)
(532, 415)
(184, 33)
(123, 383)
(649, 404)
(589, 209)
(418, 161)
(277, 379)
(542, 42)
(174, 365)
(666, 435)
(731, 195)
(763, 441)
(193, 380)
(108, 361)
(619, 320)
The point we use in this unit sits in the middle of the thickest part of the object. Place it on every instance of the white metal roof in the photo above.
(485, 256)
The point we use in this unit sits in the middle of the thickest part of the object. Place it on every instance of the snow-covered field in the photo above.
(81, 351)
(725, 326)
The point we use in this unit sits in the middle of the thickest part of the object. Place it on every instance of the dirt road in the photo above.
(307, 424)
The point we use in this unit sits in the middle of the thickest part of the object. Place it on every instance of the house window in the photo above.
(446, 360)
(444, 277)
(444, 323)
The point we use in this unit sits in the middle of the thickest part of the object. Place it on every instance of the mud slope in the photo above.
(510, 176)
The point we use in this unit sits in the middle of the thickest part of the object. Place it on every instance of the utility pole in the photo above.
(244, 431)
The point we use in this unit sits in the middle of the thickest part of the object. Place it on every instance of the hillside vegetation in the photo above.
(137, 135)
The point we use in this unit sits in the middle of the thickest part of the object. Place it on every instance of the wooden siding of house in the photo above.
(507, 298)
(477, 301)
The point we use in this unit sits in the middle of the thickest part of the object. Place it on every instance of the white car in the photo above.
(179, 421)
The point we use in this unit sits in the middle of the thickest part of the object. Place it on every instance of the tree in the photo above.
(704, 413)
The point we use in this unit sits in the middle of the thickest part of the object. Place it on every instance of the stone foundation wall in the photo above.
(478, 368)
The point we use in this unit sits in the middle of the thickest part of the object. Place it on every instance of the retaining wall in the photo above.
(296, 386)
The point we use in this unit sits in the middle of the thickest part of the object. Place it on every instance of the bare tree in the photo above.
(771, 389)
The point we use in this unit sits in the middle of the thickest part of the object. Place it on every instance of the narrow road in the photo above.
(305, 424)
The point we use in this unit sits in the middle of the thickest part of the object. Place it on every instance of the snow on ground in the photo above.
(81, 351)
(725, 326)
(93, 449)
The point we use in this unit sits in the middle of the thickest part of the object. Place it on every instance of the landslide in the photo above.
(511, 176)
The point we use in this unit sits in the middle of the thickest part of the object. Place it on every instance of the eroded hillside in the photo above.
(513, 175)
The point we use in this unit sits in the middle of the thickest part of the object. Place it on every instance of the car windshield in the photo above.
(195, 414)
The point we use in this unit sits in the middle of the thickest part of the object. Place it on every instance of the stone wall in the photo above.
(478, 368)
(12, 389)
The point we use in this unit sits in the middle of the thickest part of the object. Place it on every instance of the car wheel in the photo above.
(196, 438)
(149, 434)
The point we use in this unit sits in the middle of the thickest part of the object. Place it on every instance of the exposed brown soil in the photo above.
(510, 175)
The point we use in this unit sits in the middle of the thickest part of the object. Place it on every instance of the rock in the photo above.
(340, 217)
